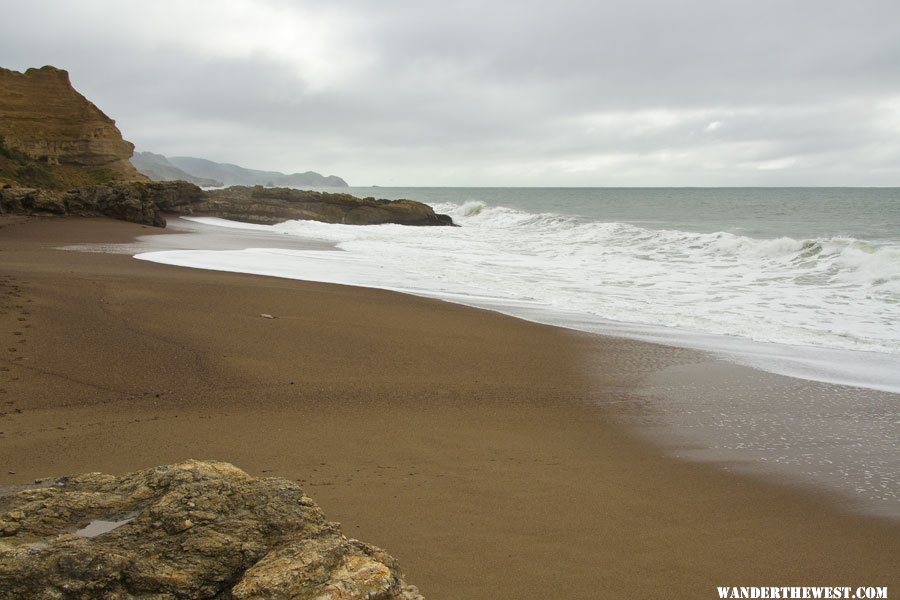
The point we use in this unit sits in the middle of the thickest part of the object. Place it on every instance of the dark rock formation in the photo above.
(158, 168)
(53, 137)
(137, 202)
(142, 202)
(192, 530)
(31, 201)
(274, 205)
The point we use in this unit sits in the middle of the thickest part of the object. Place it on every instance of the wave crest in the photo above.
(838, 292)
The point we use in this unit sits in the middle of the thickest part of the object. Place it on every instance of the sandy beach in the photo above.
(484, 452)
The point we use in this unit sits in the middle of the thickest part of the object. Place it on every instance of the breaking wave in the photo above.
(836, 292)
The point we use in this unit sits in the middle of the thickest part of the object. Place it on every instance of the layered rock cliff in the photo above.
(53, 137)
(191, 530)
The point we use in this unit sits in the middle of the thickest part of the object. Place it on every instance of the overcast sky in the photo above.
(593, 93)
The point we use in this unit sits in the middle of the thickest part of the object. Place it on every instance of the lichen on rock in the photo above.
(191, 530)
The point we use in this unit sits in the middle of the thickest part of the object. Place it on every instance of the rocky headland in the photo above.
(191, 530)
(272, 205)
(145, 203)
(53, 137)
(61, 155)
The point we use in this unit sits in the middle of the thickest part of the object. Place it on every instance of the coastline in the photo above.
(779, 412)
(451, 436)
(417, 262)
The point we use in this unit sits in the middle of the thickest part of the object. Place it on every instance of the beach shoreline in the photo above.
(733, 404)
(453, 437)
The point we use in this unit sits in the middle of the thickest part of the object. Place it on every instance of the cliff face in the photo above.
(53, 136)
(191, 530)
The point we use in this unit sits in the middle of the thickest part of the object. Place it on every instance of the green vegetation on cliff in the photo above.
(17, 168)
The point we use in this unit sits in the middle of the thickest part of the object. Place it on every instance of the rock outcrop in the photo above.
(191, 530)
(274, 205)
(143, 202)
(51, 136)
(138, 202)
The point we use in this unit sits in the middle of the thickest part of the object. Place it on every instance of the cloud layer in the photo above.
(649, 92)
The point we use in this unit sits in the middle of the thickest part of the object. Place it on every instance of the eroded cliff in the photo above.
(53, 137)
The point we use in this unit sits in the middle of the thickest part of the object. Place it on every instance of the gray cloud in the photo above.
(648, 92)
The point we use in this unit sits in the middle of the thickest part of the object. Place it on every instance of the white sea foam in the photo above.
(826, 308)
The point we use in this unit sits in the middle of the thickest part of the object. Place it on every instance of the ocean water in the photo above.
(798, 281)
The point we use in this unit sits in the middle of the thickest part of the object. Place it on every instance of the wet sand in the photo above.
(480, 450)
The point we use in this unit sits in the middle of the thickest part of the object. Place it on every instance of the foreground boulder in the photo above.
(191, 530)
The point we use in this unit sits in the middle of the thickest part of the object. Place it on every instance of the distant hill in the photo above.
(158, 168)
(230, 174)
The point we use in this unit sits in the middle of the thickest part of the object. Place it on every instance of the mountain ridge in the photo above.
(158, 168)
(227, 174)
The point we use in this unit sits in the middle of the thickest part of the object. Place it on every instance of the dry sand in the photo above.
(480, 450)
